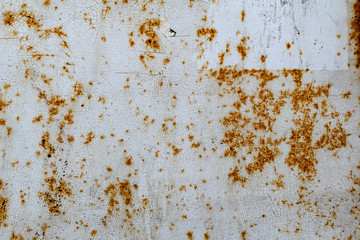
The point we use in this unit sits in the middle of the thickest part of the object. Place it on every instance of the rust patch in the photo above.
(206, 236)
(3, 103)
(355, 34)
(288, 46)
(128, 161)
(242, 48)
(28, 17)
(89, 138)
(47, 3)
(122, 189)
(190, 235)
(147, 29)
(3, 206)
(93, 233)
(243, 235)
(9, 18)
(235, 176)
(46, 145)
(58, 190)
(249, 126)
(262, 58)
(16, 236)
(242, 15)
(209, 33)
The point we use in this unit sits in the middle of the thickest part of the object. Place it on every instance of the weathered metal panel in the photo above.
(188, 119)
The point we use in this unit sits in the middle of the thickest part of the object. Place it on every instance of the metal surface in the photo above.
(154, 119)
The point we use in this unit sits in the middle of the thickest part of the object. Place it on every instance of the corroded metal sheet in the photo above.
(189, 119)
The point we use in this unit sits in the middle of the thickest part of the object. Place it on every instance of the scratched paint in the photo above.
(185, 119)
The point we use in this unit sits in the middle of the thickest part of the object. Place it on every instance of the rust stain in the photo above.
(122, 189)
(243, 235)
(89, 138)
(242, 15)
(47, 3)
(252, 131)
(355, 34)
(9, 18)
(16, 236)
(262, 58)
(209, 33)
(148, 30)
(242, 48)
(93, 233)
(46, 145)
(58, 190)
(3, 206)
(206, 236)
(190, 235)
(288, 46)
(128, 161)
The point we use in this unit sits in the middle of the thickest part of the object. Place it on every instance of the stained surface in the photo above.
(154, 119)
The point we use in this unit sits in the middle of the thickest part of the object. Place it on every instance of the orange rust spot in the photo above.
(147, 29)
(93, 233)
(265, 155)
(16, 236)
(3, 104)
(47, 3)
(243, 235)
(9, 130)
(46, 145)
(347, 116)
(9, 18)
(78, 89)
(89, 138)
(190, 235)
(242, 15)
(242, 48)
(346, 95)
(262, 58)
(3, 206)
(131, 42)
(355, 34)
(2, 122)
(57, 191)
(206, 236)
(297, 75)
(209, 32)
(288, 46)
(166, 61)
(37, 119)
(279, 183)
(122, 189)
(235, 177)
(53, 111)
(128, 161)
(68, 117)
(333, 138)
(70, 139)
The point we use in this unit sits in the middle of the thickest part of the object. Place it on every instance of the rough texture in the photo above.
(179, 119)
